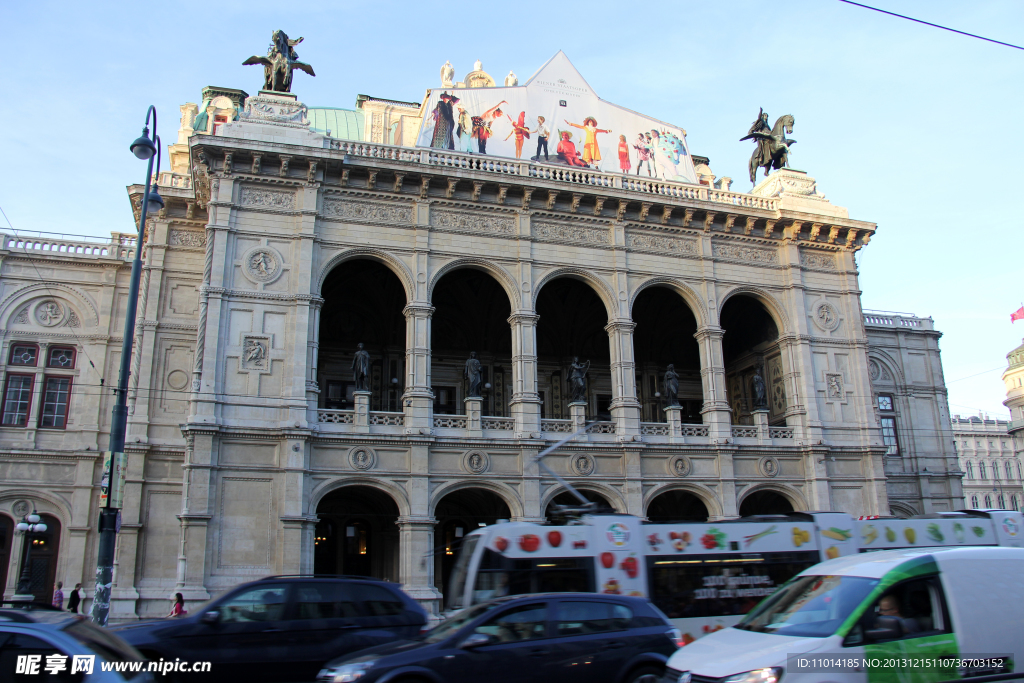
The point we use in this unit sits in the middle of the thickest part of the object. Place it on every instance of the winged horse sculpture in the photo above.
(280, 62)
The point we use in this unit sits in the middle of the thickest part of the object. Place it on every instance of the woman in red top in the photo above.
(178, 608)
(623, 154)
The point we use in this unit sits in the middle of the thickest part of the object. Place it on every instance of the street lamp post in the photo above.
(144, 147)
(29, 524)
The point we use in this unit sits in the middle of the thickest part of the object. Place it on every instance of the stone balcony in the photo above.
(897, 320)
(119, 246)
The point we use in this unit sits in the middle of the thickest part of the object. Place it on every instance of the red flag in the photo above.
(1018, 315)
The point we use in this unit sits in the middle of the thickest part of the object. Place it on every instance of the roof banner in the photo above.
(555, 118)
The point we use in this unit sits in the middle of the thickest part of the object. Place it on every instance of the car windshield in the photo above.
(809, 606)
(453, 623)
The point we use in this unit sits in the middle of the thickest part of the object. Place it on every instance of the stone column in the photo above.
(716, 411)
(795, 410)
(525, 406)
(418, 399)
(312, 361)
(197, 496)
(473, 415)
(625, 406)
(416, 563)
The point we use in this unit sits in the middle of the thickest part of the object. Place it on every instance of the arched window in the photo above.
(1000, 503)
(1019, 475)
(1009, 470)
(1013, 502)
(970, 470)
(974, 502)
(981, 471)
(988, 501)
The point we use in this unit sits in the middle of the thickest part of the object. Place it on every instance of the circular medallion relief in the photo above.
(177, 379)
(262, 264)
(50, 313)
(476, 462)
(875, 369)
(362, 458)
(582, 464)
(20, 508)
(826, 316)
(679, 466)
(768, 466)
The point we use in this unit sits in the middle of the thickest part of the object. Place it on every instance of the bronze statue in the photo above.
(280, 62)
(472, 374)
(361, 369)
(578, 380)
(760, 393)
(772, 149)
(671, 386)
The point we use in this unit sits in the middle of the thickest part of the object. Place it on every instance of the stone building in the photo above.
(253, 451)
(991, 464)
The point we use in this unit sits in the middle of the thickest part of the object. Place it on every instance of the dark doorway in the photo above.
(571, 324)
(665, 326)
(677, 506)
(357, 534)
(566, 498)
(471, 312)
(42, 567)
(6, 543)
(363, 304)
(765, 503)
(751, 345)
(457, 514)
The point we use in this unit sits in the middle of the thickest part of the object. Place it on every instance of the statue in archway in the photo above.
(472, 373)
(671, 385)
(361, 369)
(760, 393)
(578, 380)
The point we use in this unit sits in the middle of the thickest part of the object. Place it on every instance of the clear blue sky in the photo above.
(914, 128)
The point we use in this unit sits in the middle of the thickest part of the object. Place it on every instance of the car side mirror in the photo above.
(475, 640)
(885, 628)
(211, 617)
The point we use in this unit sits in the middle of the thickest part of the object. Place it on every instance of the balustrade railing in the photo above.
(557, 426)
(382, 418)
(505, 424)
(694, 430)
(602, 428)
(655, 429)
(341, 417)
(68, 247)
(780, 432)
(742, 432)
(451, 422)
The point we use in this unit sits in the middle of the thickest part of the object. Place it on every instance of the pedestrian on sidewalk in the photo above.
(178, 608)
(74, 599)
(58, 596)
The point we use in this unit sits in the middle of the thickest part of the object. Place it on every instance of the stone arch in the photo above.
(901, 509)
(887, 363)
(396, 492)
(795, 498)
(690, 296)
(775, 309)
(507, 282)
(600, 287)
(45, 503)
(509, 496)
(610, 493)
(56, 290)
(706, 496)
(390, 261)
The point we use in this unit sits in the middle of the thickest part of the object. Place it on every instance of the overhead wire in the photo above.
(928, 23)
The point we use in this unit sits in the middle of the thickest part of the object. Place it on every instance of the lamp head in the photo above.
(143, 147)
(154, 202)
(39, 528)
(33, 518)
(21, 526)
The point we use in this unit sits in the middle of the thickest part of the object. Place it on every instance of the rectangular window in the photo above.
(218, 120)
(24, 354)
(885, 403)
(60, 357)
(56, 394)
(17, 397)
(889, 435)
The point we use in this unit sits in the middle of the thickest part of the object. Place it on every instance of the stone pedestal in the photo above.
(675, 421)
(361, 418)
(761, 422)
(472, 404)
(274, 117)
(797, 191)
(578, 415)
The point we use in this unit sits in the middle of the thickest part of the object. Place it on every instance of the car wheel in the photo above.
(645, 674)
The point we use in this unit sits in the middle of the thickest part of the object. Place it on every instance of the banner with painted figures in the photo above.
(555, 118)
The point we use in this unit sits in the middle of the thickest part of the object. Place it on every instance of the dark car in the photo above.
(282, 628)
(545, 638)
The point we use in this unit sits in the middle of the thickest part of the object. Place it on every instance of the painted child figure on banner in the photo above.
(465, 131)
(567, 150)
(591, 152)
(542, 138)
(520, 130)
(623, 154)
(643, 154)
(482, 125)
(668, 151)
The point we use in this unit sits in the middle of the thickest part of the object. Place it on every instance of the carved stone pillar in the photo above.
(313, 360)
(418, 399)
(361, 418)
(416, 562)
(716, 412)
(525, 406)
(675, 430)
(578, 415)
(625, 407)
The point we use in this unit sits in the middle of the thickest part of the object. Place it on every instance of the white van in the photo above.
(924, 615)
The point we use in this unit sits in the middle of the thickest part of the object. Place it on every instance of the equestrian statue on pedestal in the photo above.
(772, 149)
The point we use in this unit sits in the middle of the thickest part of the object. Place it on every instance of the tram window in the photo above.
(499, 576)
(718, 585)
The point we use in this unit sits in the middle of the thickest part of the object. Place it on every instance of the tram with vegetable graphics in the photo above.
(703, 576)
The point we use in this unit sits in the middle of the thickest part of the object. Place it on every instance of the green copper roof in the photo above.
(344, 124)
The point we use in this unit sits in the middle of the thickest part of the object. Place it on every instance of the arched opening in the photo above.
(665, 326)
(6, 542)
(363, 303)
(750, 348)
(357, 533)
(458, 513)
(571, 325)
(43, 549)
(677, 506)
(765, 503)
(471, 312)
(565, 498)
